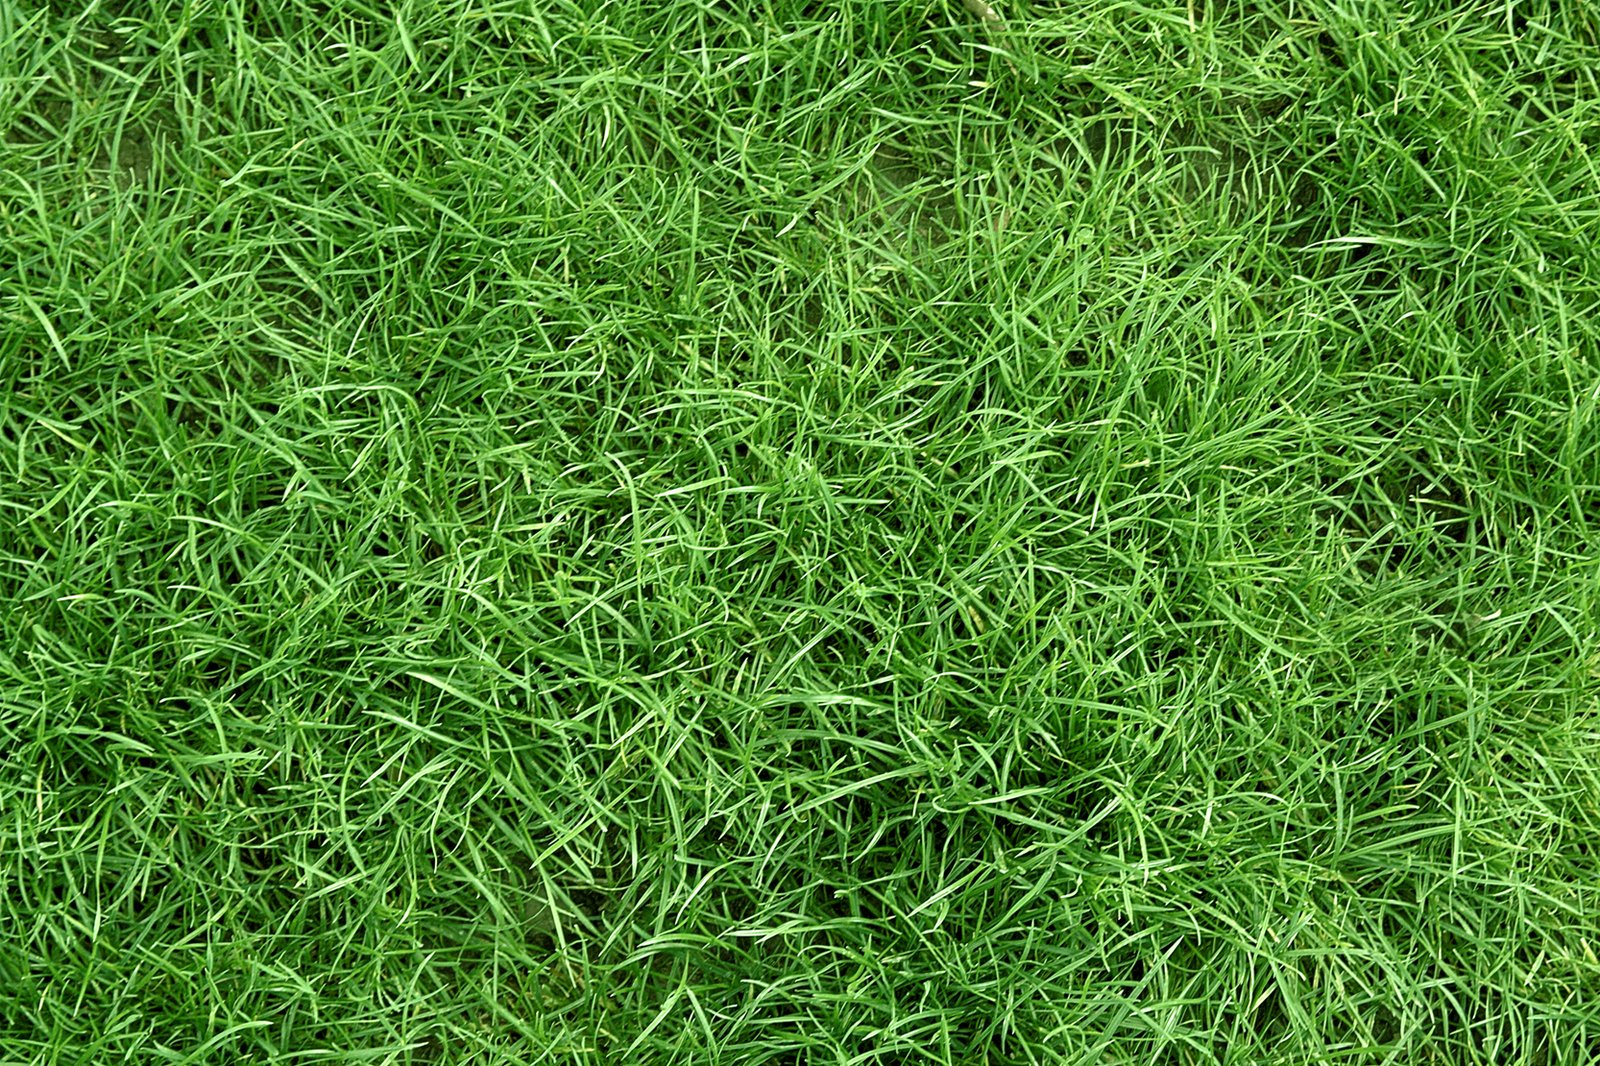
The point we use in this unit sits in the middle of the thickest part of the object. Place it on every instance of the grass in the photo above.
(853, 533)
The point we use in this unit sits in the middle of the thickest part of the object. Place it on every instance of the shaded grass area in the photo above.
(853, 533)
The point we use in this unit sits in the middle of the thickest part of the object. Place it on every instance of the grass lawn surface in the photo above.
(852, 533)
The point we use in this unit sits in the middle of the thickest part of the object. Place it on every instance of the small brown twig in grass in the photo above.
(989, 17)
(984, 11)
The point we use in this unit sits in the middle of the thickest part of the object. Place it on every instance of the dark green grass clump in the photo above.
(857, 533)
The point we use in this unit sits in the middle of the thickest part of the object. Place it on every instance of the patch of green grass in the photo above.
(850, 533)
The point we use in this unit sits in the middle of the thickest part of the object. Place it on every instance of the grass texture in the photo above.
(800, 533)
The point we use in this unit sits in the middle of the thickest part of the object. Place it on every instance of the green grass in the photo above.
(851, 533)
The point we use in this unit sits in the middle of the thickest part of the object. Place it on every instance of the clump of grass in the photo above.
(862, 533)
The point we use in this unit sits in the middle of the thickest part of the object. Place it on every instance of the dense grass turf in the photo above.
(873, 533)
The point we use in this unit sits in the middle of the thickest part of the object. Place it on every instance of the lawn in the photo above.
(858, 534)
